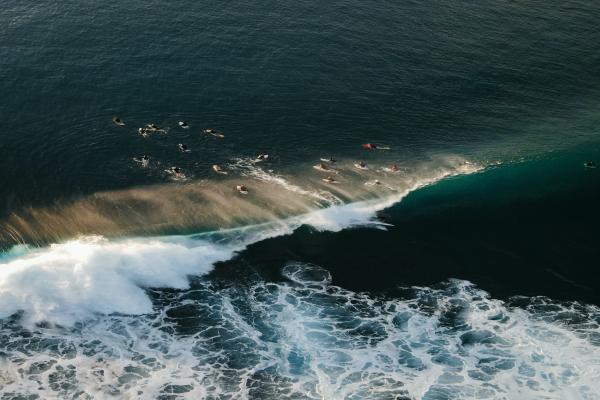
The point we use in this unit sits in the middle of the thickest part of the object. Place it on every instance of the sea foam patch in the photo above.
(306, 338)
(72, 281)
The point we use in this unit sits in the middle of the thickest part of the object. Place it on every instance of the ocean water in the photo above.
(468, 273)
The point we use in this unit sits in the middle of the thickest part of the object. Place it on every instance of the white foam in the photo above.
(72, 281)
(304, 338)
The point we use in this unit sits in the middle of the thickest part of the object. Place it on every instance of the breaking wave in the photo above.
(71, 281)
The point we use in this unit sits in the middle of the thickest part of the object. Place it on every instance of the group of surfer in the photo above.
(178, 174)
(323, 165)
(175, 171)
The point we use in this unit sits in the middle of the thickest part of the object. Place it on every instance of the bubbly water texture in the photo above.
(305, 338)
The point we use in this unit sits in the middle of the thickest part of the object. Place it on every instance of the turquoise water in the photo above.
(468, 273)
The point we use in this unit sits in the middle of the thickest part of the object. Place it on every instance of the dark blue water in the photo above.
(287, 79)
(476, 279)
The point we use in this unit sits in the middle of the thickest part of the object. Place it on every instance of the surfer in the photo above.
(242, 189)
(183, 124)
(329, 179)
(330, 160)
(262, 157)
(152, 127)
(361, 165)
(325, 168)
(394, 168)
(217, 168)
(143, 160)
(118, 121)
(371, 146)
(590, 164)
(176, 172)
(183, 148)
(213, 132)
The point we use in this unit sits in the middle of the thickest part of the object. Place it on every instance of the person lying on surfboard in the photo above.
(217, 168)
(118, 121)
(371, 146)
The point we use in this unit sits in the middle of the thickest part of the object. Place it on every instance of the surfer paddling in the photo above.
(152, 127)
(176, 173)
(369, 146)
(183, 148)
(118, 121)
(217, 168)
(213, 132)
(372, 146)
(361, 165)
(324, 168)
(329, 160)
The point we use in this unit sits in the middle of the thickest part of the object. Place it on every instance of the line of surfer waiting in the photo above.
(325, 164)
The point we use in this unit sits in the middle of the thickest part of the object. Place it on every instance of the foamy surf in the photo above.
(305, 338)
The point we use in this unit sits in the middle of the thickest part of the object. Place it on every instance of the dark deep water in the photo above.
(117, 280)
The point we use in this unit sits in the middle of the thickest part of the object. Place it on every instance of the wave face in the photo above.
(306, 338)
(208, 205)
